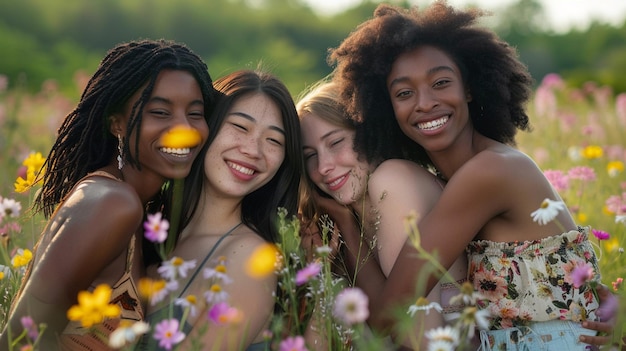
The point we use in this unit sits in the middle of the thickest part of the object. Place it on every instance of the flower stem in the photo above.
(177, 203)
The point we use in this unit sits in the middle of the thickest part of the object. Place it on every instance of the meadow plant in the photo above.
(578, 139)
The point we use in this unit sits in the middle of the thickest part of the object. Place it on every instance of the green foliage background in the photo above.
(42, 39)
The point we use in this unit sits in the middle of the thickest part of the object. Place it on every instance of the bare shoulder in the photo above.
(499, 164)
(106, 201)
(399, 176)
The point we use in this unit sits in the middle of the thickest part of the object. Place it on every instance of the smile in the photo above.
(176, 152)
(240, 168)
(434, 124)
(337, 183)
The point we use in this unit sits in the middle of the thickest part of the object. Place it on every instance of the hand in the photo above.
(606, 313)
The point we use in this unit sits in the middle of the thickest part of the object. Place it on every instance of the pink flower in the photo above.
(221, 314)
(580, 274)
(552, 80)
(558, 179)
(293, 343)
(308, 272)
(620, 108)
(31, 328)
(601, 235)
(167, 333)
(617, 283)
(351, 306)
(583, 173)
(156, 228)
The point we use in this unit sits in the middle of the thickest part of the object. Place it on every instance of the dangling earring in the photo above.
(120, 151)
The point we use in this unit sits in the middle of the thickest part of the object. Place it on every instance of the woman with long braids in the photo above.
(107, 163)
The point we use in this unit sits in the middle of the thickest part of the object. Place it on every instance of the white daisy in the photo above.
(442, 338)
(188, 302)
(175, 267)
(548, 211)
(127, 334)
(10, 207)
(620, 219)
(422, 304)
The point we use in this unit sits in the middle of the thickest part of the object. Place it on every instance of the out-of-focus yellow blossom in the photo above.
(152, 289)
(581, 217)
(611, 244)
(94, 307)
(263, 261)
(22, 185)
(592, 151)
(1, 275)
(22, 258)
(181, 137)
(614, 168)
(34, 161)
(606, 211)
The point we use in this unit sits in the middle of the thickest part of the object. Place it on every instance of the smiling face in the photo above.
(248, 149)
(429, 98)
(331, 162)
(176, 100)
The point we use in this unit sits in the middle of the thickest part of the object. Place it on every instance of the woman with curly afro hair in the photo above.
(451, 95)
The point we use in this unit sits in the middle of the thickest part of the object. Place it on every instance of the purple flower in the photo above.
(601, 235)
(581, 274)
(308, 272)
(293, 343)
(167, 333)
(31, 328)
(221, 314)
(156, 228)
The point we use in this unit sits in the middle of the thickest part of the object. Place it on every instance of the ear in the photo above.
(468, 96)
(116, 125)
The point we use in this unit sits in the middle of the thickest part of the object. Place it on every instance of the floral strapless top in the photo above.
(533, 280)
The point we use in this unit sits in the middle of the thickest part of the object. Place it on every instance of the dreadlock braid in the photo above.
(84, 143)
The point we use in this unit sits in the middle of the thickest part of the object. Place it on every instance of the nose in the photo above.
(251, 146)
(325, 163)
(426, 100)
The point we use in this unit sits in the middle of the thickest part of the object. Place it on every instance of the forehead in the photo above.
(422, 58)
(314, 128)
(259, 106)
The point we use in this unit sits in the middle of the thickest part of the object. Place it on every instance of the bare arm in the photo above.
(88, 232)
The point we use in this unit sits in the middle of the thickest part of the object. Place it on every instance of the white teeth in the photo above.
(433, 124)
(242, 169)
(335, 182)
(176, 152)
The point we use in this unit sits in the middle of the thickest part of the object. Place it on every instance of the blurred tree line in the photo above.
(42, 39)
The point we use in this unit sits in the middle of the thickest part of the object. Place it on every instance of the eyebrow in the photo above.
(428, 73)
(252, 119)
(168, 101)
(332, 132)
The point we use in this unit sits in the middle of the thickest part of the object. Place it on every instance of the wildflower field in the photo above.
(578, 139)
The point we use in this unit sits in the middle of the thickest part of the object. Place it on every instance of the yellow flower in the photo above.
(22, 185)
(34, 161)
(582, 217)
(94, 307)
(181, 137)
(592, 151)
(1, 275)
(148, 288)
(611, 244)
(614, 168)
(22, 258)
(606, 211)
(263, 261)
